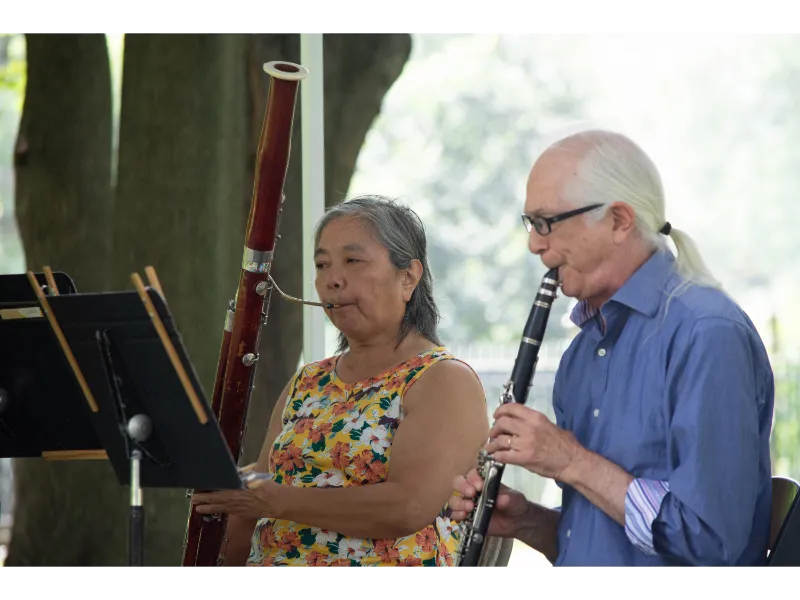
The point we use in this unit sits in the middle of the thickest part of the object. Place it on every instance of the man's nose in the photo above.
(536, 243)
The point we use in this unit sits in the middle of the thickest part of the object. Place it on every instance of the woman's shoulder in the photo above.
(449, 367)
(325, 365)
(448, 384)
(313, 371)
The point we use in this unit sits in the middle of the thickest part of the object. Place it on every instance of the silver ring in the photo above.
(509, 443)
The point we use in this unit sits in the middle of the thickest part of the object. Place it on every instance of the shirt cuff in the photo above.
(642, 503)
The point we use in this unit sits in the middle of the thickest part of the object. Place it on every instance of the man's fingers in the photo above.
(503, 442)
(457, 503)
(459, 483)
(515, 410)
(458, 515)
(475, 480)
(459, 508)
(468, 486)
(502, 501)
(508, 425)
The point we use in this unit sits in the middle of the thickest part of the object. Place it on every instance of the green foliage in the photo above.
(785, 440)
(462, 126)
(455, 141)
(13, 74)
(12, 68)
(12, 77)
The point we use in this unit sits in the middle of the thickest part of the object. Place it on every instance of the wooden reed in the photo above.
(75, 455)
(63, 341)
(173, 355)
(51, 281)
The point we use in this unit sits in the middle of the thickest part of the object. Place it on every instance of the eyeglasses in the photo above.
(542, 224)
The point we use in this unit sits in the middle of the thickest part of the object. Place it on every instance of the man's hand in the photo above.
(509, 509)
(525, 437)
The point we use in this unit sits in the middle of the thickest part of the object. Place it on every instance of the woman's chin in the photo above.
(345, 326)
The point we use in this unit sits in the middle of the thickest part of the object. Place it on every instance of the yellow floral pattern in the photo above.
(336, 434)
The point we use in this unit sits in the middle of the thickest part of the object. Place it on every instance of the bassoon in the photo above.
(476, 523)
(205, 541)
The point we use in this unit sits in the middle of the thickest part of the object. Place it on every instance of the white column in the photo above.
(313, 148)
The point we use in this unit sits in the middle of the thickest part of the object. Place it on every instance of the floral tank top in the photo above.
(339, 434)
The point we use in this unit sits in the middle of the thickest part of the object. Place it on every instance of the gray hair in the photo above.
(613, 168)
(400, 230)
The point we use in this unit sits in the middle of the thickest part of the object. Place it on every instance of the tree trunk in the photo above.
(180, 205)
(63, 170)
(359, 70)
(192, 107)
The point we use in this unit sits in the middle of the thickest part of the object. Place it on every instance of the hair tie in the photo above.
(666, 228)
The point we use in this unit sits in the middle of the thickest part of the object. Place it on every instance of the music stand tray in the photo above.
(43, 413)
(143, 394)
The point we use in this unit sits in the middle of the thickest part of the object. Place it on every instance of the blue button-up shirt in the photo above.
(684, 398)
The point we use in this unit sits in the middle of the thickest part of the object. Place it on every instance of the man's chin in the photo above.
(567, 290)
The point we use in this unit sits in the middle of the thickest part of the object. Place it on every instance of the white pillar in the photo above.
(313, 149)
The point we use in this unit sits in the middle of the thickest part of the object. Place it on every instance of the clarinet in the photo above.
(473, 528)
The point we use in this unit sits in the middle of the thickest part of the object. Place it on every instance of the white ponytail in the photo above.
(688, 262)
(614, 169)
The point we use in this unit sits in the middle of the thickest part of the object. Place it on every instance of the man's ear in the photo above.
(410, 278)
(623, 219)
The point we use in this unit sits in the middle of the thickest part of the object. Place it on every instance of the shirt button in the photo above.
(569, 532)
(596, 412)
(601, 352)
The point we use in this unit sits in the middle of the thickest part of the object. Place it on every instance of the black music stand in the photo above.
(42, 410)
(143, 396)
(786, 549)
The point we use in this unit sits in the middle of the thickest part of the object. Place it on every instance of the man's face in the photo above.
(579, 249)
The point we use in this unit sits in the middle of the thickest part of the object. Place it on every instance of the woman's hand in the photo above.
(253, 503)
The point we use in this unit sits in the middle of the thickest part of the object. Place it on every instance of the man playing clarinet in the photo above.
(664, 399)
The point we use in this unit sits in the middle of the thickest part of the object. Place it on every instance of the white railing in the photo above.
(500, 357)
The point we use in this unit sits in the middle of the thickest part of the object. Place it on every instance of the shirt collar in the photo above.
(642, 291)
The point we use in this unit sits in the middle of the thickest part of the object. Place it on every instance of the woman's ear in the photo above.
(410, 278)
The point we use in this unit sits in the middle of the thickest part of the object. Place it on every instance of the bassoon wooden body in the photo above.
(205, 541)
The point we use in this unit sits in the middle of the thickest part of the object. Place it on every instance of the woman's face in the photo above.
(354, 270)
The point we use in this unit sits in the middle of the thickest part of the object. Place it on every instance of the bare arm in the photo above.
(539, 528)
(443, 430)
(240, 528)
(602, 482)
(526, 437)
